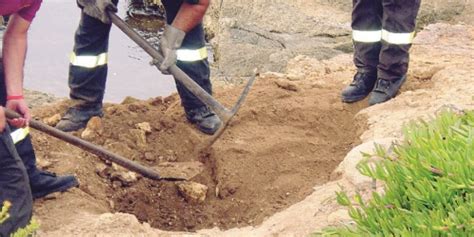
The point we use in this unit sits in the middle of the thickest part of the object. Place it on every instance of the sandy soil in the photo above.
(288, 138)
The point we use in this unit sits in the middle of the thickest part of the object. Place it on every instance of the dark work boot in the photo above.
(385, 90)
(43, 183)
(77, 117)
(206, 120)
(360, 87)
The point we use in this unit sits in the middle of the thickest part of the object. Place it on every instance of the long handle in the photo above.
(85, 145)
(178, 74)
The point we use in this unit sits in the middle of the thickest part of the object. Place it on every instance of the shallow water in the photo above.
(51, 39)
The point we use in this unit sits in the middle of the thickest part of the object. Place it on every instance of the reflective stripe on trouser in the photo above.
(198, 69)
(191, 55)
(88, 61)
(14, 187)
(383, 31)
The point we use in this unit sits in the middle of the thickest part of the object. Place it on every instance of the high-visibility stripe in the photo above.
(367, 36)
(397, 38)
(190, 55)
(88, 61)
(20, 134)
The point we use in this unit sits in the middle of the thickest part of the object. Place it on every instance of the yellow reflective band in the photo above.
(88, 61)
(398, 38)
(367, 36)
(190, 55)
(20, 134)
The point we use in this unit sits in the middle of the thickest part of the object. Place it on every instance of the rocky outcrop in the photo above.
(267, 34)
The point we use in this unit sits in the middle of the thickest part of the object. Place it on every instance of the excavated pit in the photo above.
(287, 138)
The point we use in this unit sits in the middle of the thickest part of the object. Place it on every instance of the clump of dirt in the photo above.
(288, 137)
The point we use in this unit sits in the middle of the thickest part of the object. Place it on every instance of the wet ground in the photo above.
(51, 40)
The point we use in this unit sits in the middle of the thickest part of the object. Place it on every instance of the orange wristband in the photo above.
(15, 97)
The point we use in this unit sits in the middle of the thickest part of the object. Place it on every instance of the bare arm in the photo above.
(2, 119)
(189, 15)
(14, 52)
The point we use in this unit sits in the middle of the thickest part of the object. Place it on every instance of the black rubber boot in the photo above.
(206, 120)
(360, 87)
(77, 117)
(43, 183)
(385, 90)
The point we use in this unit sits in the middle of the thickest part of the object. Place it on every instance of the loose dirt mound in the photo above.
(287, 138)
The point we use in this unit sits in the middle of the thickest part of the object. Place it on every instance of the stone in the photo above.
(193, 192)
(126, 178)
(93, 129)
(145, 126)
(95, 124)
(139, 136)
(295, 76)
(348, 167)
(102, 170)
(129, 100)
(89, 134)
(53, 120)
(287, 85)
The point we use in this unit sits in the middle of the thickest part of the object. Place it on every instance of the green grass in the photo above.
(428, 182)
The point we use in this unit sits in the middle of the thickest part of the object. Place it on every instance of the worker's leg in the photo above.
(399, 19)
(14, 187)
(42, 183)
(366, 35)
(87, 72)
(192, 59)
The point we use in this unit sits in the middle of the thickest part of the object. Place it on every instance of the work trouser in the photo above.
(21, 136)
(17, 162)
(88, 68)
(14, 186)
(383, 31)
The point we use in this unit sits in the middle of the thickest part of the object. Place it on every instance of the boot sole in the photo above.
(352, 99)
(63, 188)
(402, 81)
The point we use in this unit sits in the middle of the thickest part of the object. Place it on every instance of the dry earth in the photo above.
(271, 173)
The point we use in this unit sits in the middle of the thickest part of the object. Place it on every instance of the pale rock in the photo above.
(95, 124)
(102, 170)
(127, 178)
(139, 136)
(287, 85)
(89, 134)
(348, 167)
(53, 120)
(338, 217)
(295, 76)
(193, 192)
(129, 100)
(145, 126)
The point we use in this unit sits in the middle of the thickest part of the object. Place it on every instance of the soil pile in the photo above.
(289, 137)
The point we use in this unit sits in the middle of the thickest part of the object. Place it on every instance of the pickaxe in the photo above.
(224, 114)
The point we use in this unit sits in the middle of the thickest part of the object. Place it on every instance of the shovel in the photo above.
(224, 114)
(169, 171)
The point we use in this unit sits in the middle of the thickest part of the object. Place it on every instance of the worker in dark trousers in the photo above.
(383, 31)
(14, 184)
(182, 44)
(20, 179)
